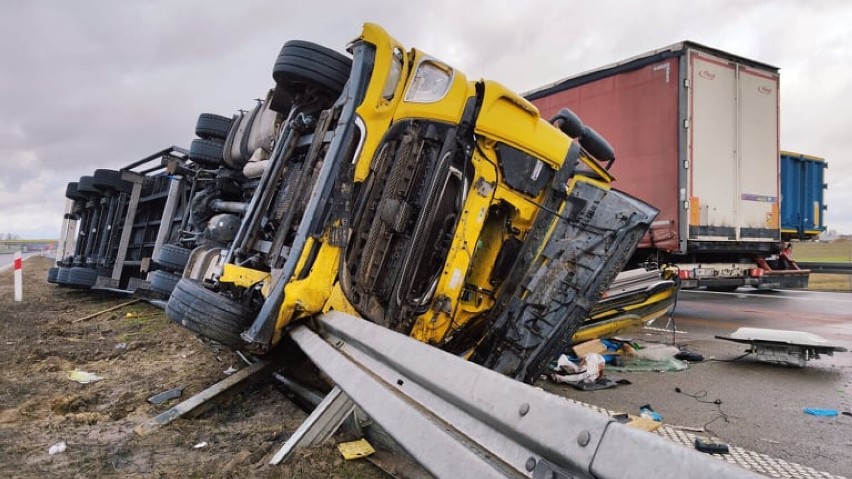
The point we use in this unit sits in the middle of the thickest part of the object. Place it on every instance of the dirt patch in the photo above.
(138, 353)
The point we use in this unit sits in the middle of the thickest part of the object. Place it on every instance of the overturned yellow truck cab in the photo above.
(402, 192)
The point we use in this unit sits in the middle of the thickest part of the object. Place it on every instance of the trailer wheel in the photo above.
(301, 64)
(82, 277)
(62, 276)
(72, 194)
(163, 282)
(207, 313)
(206, 152)
(52, 273)
(86, 185)
(213, 127)
(173, 257)
(106, 180)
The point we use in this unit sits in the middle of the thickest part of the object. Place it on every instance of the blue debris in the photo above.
(820, 412)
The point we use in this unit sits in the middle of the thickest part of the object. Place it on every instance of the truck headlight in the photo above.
(431, 82)
(393, 75)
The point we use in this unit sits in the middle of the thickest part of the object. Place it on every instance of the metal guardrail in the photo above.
(458, 419)
(837, 268)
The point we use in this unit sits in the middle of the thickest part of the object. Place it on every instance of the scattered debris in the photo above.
(688, 428)
(593, 346)
(648, 412)
(94, 315)
(355, 449)
(83, 377)
(230, 370)
(591, 367)
(57, 448)
(656, 352)
(689, 356)
(121, 346)
(633, 364)
(710, 446)
(792, 348)
(200, 445)
(820, 412)
(164, 396)
(637, 422)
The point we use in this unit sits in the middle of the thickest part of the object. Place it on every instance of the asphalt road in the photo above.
(761, 404)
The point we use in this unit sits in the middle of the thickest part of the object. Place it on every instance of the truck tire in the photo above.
(163, 282)
(82, 277)
(597, 146)
(568, 121)
(172, 257)
(72, 194)
(110, 180)
(86, 186)
(52, 274)
(207, 313)
(206, 152)
(213, 127)
(62, 276)
(301, 64)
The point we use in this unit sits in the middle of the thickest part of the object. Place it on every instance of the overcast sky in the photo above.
(98, 84)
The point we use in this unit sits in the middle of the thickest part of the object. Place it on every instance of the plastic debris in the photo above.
(200, 445)
(590, 369)
(355, 449)
(57, 448)
(633, 364)
(656, 352)
(121, 346)
(648, 412)
(83, 377)
(230, 370)
(820, 412)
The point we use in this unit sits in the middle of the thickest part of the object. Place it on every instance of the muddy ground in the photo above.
(139, 353)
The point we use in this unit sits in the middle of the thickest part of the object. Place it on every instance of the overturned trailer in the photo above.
(116, 220)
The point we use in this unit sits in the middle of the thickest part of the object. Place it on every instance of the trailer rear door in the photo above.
(733, 151)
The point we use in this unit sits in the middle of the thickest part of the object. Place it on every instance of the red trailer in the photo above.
(696, 134)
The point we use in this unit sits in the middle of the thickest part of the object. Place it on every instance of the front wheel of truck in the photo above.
(303, 64)
(207, 313)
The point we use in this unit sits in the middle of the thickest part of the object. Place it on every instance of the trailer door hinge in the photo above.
(686, 82)
(685, 164)
(686, 123)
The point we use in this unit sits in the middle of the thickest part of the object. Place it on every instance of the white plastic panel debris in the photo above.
(780, 346)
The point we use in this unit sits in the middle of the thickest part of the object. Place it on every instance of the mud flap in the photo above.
(591, 241)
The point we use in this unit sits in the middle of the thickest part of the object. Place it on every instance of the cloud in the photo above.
(98, 84)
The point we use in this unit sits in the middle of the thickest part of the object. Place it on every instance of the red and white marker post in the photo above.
(19, 278)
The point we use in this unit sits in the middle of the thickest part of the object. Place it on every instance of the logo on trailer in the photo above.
(706, 74)
(765, 90)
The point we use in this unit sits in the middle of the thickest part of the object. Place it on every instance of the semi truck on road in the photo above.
(697, 133)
